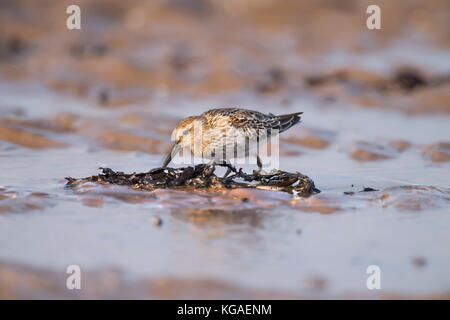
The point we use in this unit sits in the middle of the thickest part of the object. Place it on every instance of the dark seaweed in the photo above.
(202, 176)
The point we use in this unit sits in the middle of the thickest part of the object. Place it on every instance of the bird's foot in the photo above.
(228, 165)
(230, 168)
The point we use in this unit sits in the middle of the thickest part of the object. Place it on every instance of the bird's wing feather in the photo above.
(250, 121)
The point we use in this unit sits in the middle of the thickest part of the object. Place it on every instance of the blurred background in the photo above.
(376, 114)
(126, 52)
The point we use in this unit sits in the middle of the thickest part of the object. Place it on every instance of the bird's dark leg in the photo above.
(259, 163)
(226, 173)
(229, 168)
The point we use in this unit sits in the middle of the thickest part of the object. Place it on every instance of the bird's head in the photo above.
(182, 136)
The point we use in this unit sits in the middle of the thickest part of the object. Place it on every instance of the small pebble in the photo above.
(157, 221)
(369, 189)
(103, 97)
(419, 261)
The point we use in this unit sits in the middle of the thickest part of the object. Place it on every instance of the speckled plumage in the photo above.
(226, 133)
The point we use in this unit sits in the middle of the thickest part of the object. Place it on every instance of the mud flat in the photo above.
(19, 282)
(374, 138)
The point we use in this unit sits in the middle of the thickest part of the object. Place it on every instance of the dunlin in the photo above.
(227, 133)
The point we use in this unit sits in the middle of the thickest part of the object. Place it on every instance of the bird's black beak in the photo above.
(172, 153)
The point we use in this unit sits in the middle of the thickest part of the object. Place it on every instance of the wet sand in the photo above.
(374, 138)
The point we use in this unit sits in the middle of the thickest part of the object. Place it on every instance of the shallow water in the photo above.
(322, 244)
(376, 117)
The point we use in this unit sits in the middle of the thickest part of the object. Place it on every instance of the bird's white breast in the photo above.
(230, 143)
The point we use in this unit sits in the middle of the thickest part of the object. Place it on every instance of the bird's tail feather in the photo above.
(288, 120)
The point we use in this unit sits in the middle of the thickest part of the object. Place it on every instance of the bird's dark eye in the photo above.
(185, 132)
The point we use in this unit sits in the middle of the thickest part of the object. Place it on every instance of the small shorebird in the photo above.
(227, 133)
